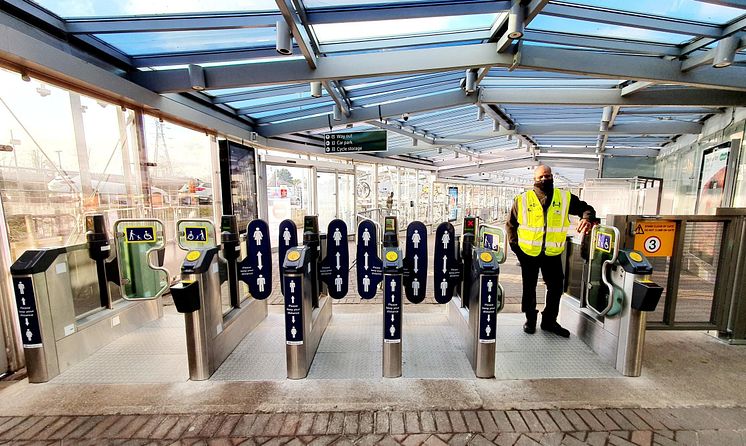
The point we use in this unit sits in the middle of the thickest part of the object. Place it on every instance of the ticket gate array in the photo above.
(304, 269)
(211, 333)
(69, 299)
(610, 313)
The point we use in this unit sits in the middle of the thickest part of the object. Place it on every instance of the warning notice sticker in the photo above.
(655, 238)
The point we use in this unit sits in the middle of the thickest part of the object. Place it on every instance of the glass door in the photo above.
(346, 200)
(326, 187)
(288, 196)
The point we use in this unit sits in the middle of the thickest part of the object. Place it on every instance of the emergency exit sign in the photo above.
(350, 142)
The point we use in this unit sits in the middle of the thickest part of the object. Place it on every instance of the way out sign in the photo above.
(655, 238)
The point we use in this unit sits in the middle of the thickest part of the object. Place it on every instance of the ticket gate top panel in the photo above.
(335, 266)
(195, 234)
(369, 265)
(415, 262)
(137, 241)
(256, 269)
(494, 238)
(446, 268)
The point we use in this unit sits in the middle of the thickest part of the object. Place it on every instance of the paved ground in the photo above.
(513, 427)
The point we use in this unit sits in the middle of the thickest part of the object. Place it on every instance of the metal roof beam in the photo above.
(375, 12)
(634, 87)
(422, 104)
(707, 58)
(734, 28)
(403, 41)
(259, 94)
(634, 20)
(612, 96)
(302, 38)
(444, 59)
(629, 46)
(339, 96)
(157, 23)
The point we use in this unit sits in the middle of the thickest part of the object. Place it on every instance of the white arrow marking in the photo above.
(26, 319)
(259, 258)
(338, 264)
(489, 297)
(292, 299)
(293, 319)
(416, 268)
(488, 318)
(392, 318)
(445, 261)
(365, 265)
(23, 301)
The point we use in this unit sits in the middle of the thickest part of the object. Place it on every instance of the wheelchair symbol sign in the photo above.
(652, 244)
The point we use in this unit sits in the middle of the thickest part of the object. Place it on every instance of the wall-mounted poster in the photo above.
(452, 203)
(712, 179)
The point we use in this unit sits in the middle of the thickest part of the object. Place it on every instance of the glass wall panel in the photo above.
(288, 196)
(65, 155)
(739, 197)
(388, 183)
(365, 189)
(424, 206)
(180, 173)
(408, 195)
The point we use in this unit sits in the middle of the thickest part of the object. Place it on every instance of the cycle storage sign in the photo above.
(655, 238)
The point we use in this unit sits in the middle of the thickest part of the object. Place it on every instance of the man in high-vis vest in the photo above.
(537, 230)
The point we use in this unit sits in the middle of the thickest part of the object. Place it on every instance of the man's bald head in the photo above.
(542, 171)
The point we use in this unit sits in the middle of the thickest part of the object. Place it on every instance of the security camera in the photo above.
(405, 117)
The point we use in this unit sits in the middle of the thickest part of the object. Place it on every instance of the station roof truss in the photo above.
(466, 86)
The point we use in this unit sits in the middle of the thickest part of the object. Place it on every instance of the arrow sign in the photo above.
(369, 266)
(288, 238)
(337, 258)
(293, 312)
(392, 309)
(415, 262)
(487, 309)
(23, 289)
(446, 276)
(252, 270)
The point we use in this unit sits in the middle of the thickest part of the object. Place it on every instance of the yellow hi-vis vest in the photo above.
(534, 231)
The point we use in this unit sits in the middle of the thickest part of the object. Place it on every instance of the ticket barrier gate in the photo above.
(610, 314)
(212, 333)
(308, 307)
(479, 296)
(398, 274)
(69, 299)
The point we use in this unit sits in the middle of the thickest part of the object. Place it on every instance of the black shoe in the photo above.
(555, 328)
(530, 325)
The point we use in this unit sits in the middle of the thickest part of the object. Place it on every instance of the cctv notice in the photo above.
(373, 141)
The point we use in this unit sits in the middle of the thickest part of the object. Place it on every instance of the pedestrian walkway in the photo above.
(703, 426)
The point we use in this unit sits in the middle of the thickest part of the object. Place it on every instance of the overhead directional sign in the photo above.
(372, 141)
(392, 308)
(288, 239)
(446, 271)
(293, 309)
(369, 265)
(415, 262)
(28, 317)
(256, 269)
(489, 303)
(336, 266)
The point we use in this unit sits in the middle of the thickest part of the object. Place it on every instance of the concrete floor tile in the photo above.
(457, 421)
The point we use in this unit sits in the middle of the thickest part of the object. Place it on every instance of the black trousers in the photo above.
(554, 278)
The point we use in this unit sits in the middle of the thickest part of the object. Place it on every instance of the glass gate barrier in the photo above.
(137, 241)
(601, 295)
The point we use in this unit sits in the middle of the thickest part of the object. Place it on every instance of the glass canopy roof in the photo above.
(571, 69)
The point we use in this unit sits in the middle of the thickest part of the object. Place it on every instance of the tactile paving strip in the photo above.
(155, 353)
(350, 349)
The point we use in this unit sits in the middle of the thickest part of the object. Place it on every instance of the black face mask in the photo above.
(544, 185)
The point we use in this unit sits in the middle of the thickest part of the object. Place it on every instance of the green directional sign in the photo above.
(373, 141)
